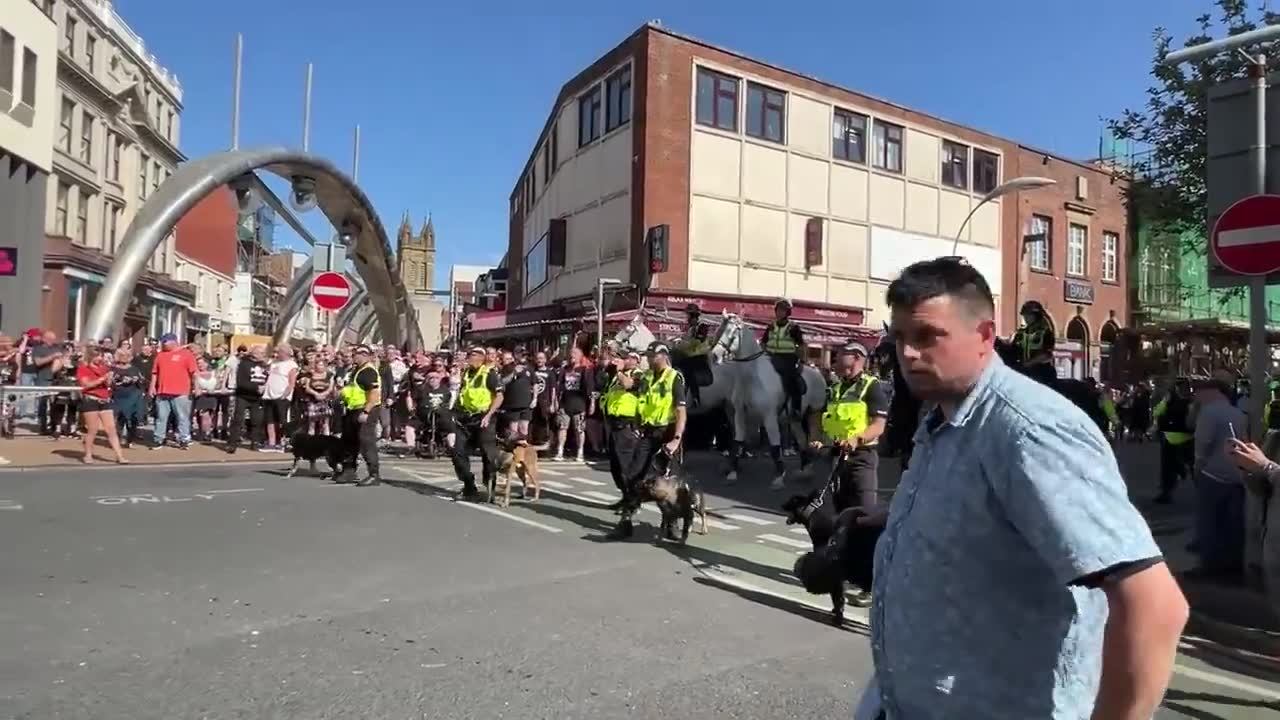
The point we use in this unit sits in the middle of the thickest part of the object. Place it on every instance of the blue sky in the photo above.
(450, 96)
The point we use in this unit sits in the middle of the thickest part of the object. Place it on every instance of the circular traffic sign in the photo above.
(331, 291)
(1246, 237)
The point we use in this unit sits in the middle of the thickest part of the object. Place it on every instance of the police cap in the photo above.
(658, 346)
(853, 347)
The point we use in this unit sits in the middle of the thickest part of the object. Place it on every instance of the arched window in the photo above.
(1106, 345)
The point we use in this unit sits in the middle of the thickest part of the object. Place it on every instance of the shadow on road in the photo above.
(1172, 698)
(778, 603)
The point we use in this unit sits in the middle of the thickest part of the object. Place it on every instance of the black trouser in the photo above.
(788, 367)
(471, 435)
(1175, 462)
(624, 438)
(649, 441)
(130, 412)
(235, 421)
(359, 439)
(857, 475)
(697, 374)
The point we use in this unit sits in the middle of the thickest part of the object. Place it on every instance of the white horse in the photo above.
(758, 396)
(635, 335)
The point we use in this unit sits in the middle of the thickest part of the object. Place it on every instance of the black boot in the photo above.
(370, 481)
(469, 490)
(624, 530)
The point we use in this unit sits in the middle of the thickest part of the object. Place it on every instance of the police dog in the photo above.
(312, 448)
(818, 519)
(517, 460)
(676, 498)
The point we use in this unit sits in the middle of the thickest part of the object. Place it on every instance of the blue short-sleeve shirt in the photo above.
(977, 609)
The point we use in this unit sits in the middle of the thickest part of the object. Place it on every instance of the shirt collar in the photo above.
(976, 394)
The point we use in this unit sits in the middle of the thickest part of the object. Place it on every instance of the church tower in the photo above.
(416, 255)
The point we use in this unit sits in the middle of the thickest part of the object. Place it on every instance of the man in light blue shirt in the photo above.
(1014, 578)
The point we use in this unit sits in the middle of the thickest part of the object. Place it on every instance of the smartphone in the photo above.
(1231, 427)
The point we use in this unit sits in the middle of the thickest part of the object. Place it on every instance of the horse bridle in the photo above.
(736, 323)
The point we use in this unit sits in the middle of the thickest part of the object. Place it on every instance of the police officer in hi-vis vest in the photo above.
(361, 396)
(662, 413)
(693, 347)
(479, 397)
(1035, 341)
(1177, 438)
(621, 401)
(784, 342)
(856, 415)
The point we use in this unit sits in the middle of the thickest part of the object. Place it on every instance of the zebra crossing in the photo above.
(577, 485)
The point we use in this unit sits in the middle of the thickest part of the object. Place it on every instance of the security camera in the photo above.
(302, 197)
(348, 233)
(247, 198)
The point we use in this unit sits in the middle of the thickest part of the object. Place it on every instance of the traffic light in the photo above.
(656, 241)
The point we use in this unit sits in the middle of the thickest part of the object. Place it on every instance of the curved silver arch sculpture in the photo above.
(346, 317)
(339, 198)
(368, 329)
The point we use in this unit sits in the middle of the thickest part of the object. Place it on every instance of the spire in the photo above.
(406, 229)
(428, 234)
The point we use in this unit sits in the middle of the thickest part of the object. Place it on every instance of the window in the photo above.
(955, 165)
(1042, 240)
(766, 113)
(8, 60)
(115, 146)
(82, 219)
(618, 96)
(717, 100)
(29, 64)
(155, 176)
(1110, 256)
(86, 137)
(90, 48)
(535, 266)
(1077, 249)
(849, 136)
(986, 171)
(533, 182)
(110, 228)
(69, 36)
(168, 128)
(589, 117)
(555, 150)
(64, 125)
(144, 163)
(888, 146)
(60, 211)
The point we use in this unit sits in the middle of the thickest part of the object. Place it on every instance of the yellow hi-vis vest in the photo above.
(620, 402)
(353, 396)
(475, 397)
(778, 340)
(1032, 340)
(692, 345)
(657, 405)
(846, 415)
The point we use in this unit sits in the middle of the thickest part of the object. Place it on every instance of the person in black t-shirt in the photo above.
(517, 397)
(251, 378)
(544, 379)
(576, 387)
(360, 424)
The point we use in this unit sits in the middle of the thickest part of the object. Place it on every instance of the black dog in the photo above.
(311, 448)
(848, 555)
(816, 512)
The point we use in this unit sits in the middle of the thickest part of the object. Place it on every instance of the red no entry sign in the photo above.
(1246, 238)
(331, 291)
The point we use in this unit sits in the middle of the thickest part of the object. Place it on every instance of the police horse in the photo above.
(757, 394)
(635, 335)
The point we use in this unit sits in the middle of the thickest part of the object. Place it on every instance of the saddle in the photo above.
(696, 369)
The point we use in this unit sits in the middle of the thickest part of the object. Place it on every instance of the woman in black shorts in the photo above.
(94, 378)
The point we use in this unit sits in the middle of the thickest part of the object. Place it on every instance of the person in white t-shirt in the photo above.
(277, 396)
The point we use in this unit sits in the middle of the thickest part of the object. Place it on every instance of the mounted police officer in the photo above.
(662, 413)
(784, 342)
(621, 401)
(856, 414)
(479, 397)
(1035, 342)
(361, 397)
(693, 347)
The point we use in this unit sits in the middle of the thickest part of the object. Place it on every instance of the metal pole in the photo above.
(355, 157)
(235, 97)
(1259, 351)
(599, 316)
(306, 111)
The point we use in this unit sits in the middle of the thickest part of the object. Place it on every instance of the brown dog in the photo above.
(520, 461)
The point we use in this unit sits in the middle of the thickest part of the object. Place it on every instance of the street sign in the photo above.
(331, 291)
(1246, 237)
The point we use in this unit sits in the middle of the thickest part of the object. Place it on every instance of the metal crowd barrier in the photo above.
(6, 393)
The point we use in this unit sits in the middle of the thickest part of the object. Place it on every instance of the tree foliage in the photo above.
(1169, 180)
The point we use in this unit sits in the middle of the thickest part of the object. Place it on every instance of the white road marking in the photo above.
(1225, 681)
(238, 490)
(555, 484)
(741, 517)
(502, 513)
(588, 481)
(140, 498)
(10, 505)
(549, 471)
(712, 522)
(602, 497)
(799, 531)
(789, 542)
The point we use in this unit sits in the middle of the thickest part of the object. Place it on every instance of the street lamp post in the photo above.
(600, 285)
(1019, 183)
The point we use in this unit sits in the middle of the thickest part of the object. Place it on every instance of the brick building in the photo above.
(206, 249)
(752, 168)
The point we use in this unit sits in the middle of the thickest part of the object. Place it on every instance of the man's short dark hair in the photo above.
(952, 277)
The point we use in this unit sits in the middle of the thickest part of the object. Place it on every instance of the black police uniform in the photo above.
(860, 471)
(472, 435)
(360, 439)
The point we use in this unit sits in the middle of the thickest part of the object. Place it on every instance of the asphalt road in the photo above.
(229, 591)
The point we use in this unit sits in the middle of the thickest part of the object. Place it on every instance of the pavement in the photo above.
(227, 591)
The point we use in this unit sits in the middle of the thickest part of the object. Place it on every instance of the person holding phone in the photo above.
(94, 377)
(1219, 485)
